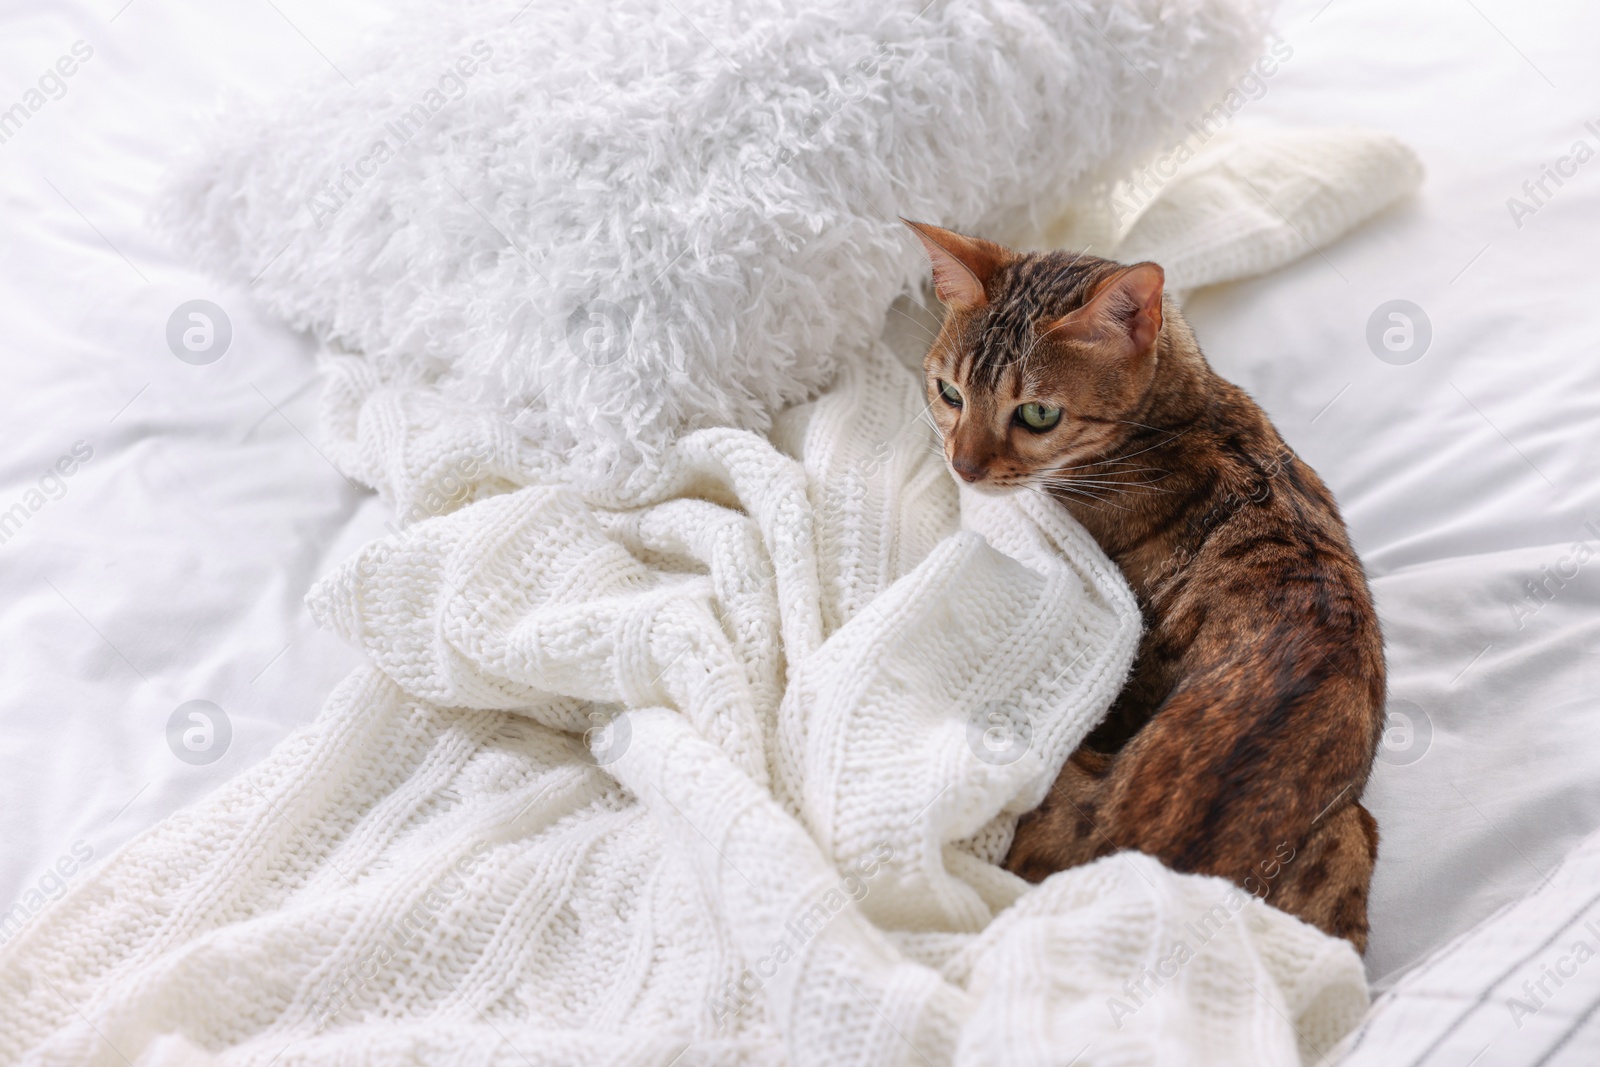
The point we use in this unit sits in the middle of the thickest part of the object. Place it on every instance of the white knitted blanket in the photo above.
(712, 769)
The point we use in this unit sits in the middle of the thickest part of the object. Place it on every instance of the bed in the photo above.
(154, 621)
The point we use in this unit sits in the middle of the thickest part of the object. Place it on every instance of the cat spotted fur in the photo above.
(1244, 735)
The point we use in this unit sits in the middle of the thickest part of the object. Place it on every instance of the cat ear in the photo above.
(962, 266)
(1125, 311)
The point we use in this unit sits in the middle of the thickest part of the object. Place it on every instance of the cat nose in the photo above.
(967, 469)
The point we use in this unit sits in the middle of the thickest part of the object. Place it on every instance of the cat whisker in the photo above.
(1158, 444)
(1143, 425)
(1051, 496)
(1084, 484)
(1122, 489)
(1121, 459)
(1110, 478)
(1116, 492)
(1092, 488)
(1107, 469)
(921, 326)
(1086, 495)
(1112, 475)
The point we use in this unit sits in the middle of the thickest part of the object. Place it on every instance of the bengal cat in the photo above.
(1244, 735)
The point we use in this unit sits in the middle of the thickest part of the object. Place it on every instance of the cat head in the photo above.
(1043, 359)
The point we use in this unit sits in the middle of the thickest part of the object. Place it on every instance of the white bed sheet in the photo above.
(1520, 988)
(173, 566)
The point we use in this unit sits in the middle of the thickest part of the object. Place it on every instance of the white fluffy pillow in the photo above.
(646, 216)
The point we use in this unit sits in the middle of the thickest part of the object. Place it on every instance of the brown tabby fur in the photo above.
(1243, 738)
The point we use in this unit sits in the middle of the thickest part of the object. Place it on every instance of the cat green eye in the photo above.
(951, 394)
(1038, 417)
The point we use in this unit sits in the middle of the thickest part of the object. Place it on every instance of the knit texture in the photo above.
(1252, 200)
(712, 764)
(723, 765)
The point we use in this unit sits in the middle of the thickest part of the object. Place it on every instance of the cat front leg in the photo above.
(1064, 831)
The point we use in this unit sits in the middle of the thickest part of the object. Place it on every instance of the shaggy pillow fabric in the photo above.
(632, 218)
